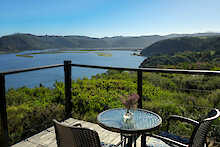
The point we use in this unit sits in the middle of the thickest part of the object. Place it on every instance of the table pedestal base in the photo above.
(129, 139)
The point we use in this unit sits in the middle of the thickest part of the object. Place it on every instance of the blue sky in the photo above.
(100, 18)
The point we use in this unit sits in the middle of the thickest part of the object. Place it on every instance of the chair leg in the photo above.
(129, 140)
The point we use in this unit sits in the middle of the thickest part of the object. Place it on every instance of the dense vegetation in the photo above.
(32, 109)
(209, 60)
(174, 45)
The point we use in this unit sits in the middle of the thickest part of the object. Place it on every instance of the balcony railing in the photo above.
(67, 79)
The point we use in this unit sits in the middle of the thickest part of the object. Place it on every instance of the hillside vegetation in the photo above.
(174, 45)
(207, 60)
(185, 53)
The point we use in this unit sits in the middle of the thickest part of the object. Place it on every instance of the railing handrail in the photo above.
(178, 71)
(30, 69)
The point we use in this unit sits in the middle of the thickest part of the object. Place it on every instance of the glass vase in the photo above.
(128, 116)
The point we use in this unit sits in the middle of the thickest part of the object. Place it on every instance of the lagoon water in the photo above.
(48, 76)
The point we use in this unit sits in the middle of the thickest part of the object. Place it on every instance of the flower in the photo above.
(130, 101)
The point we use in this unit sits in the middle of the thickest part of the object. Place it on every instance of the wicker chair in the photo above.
(197, 139)
(73, 136)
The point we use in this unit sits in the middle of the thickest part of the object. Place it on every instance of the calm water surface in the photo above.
(48, 76)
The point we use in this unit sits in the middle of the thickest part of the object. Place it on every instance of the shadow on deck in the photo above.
(47, 137)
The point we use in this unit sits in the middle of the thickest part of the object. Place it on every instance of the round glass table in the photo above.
(143, 121)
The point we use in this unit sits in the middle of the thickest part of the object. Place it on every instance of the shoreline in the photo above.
(75, 49)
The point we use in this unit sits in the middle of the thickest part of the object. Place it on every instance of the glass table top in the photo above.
(142, 120)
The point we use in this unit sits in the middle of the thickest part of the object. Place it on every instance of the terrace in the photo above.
(47, 137)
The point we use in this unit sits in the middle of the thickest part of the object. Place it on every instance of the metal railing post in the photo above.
(139, 87)
(4, 140)
(68, 93)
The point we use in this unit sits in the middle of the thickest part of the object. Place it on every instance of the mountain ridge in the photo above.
(26, 41)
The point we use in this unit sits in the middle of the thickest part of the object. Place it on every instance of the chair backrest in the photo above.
(198, 138)
(71, 136)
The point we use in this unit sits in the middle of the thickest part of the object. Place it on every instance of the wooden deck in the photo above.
(47, 137)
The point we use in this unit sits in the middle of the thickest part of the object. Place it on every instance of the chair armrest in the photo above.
(77, 124)
(168, 140)
(181, 118)
(184, 119)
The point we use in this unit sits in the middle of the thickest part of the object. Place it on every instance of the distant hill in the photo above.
(174, 45)
(208, 60)
(20, 42)
(184, 53)
(193, 35)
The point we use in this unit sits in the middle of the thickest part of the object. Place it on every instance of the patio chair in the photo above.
(197, 139)
(77, 136)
